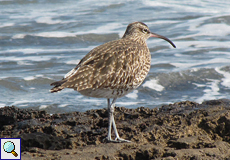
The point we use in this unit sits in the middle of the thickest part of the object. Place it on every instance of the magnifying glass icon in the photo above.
(9, 147)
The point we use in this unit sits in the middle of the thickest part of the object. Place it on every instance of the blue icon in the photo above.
(9, 147)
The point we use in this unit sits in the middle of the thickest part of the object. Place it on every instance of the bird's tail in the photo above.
(58, 86)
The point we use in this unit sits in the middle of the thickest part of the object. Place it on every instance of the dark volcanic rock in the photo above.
(183, 130)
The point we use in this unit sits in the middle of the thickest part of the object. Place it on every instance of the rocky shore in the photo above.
(183, 130)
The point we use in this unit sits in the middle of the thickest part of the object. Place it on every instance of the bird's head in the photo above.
(140, 31)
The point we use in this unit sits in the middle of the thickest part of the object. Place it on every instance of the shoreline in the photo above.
(183, 130)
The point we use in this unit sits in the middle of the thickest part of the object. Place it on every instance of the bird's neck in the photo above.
(136, 39)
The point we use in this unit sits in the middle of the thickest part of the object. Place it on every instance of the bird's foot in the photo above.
(116, 140)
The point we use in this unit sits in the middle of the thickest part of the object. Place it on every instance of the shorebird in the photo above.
(112, 70)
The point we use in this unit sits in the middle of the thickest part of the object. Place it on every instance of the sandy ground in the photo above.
(183, 130)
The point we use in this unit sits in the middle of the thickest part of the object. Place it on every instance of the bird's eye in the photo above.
(145, 30)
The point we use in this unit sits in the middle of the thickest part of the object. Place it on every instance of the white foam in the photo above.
(193, 63)
(19, 36)
(158, 22)
(197, 44)
(47, 20)
(199, 29)
(4, 77)
(6, 25)
(73, 61)
(184, 65)
(191, 6)
(26, 102)
(53, 34)
(63, 105)
(226, 80)
(39, 50)
(220, 29)
(108, 28)
(210, 29)
(43, 106)
(27, 58)
(29, 50)
(29, 78)
(23, 63)
(153, 84)
(56, 34)
(194, 69)
(199, 85)
(2, 105)
(211, 91)
(133, 94)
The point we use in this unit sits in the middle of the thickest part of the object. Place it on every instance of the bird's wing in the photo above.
(105, 66)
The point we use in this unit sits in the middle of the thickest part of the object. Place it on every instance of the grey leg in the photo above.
(112, 122)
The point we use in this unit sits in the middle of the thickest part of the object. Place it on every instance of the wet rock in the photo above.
(183, 130)
(43, 140)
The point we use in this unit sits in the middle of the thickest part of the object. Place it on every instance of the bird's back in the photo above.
(110, 70)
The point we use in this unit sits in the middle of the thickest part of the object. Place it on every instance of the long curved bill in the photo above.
(162, 37)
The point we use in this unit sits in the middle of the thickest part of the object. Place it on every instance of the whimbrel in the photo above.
(112, 70)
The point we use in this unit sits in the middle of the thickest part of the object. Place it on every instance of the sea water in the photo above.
(41, 40)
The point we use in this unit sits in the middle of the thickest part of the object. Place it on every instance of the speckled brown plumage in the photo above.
(113, 69)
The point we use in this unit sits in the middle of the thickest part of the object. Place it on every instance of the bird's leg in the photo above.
(112, 122)
(118, 139)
